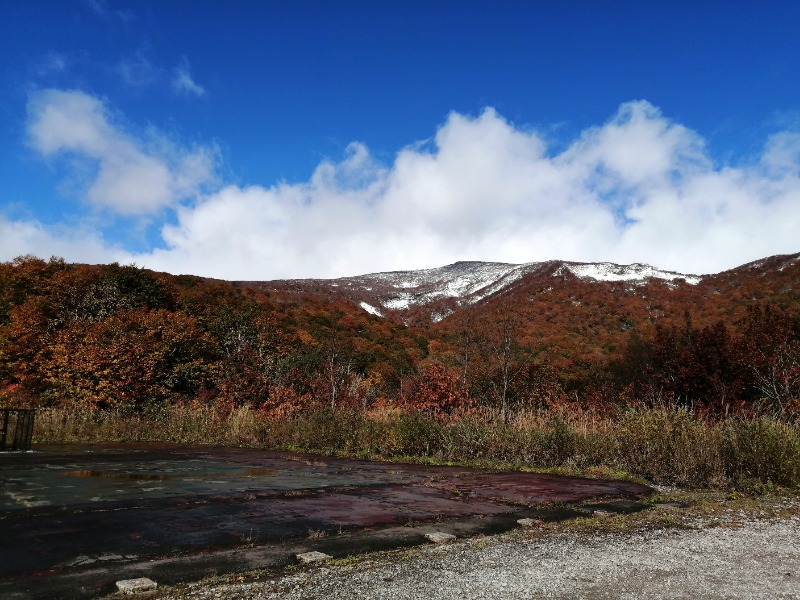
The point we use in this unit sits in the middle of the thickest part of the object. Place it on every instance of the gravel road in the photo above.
(736, 558)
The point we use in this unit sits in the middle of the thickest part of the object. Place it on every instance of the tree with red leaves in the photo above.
(437, 392)
(770, 350)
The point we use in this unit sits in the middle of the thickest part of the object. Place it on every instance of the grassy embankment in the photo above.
(662, 446)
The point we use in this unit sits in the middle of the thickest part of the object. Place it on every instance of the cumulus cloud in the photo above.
(638, 188)
(128, 175)
(19, 237)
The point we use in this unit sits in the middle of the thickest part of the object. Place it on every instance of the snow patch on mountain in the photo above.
(371, 309)
(460, 280)
(789, 263)
(401, 302)
(637, 273)
(438, 316)
(470, 282)
(453, 281)
(506, 280)
(441, 291)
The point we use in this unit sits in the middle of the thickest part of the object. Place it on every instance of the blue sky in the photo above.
(257, 140)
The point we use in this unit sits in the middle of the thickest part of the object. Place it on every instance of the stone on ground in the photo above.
(132, 586)
(311, 557)
(439, 537)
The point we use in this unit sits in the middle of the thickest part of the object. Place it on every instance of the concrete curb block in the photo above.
(312, 557)
(133, 586)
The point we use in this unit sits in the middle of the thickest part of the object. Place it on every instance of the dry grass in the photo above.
(663, 446)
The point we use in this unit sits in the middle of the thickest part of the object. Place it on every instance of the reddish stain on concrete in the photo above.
(69, 508)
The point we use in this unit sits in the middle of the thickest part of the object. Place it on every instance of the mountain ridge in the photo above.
(440, 291)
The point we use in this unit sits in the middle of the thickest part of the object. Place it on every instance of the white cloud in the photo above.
(52, 63)
(183, 83)
(639, 188)
(83, 244)
(138, 71)
(131, 176)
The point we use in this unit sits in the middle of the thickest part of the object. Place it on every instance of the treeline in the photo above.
(749, 366)
(753, 365)
(122, 337)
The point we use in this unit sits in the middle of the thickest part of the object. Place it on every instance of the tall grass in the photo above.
(662, 445)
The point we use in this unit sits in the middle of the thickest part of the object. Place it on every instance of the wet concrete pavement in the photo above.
(74, 518)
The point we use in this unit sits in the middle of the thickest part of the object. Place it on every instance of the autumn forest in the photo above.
(124, 337)
(692, 385)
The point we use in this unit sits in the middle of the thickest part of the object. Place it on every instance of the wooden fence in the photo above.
(17, 428)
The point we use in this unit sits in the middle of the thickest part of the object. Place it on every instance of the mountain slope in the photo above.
(433, 294)
(568, 311)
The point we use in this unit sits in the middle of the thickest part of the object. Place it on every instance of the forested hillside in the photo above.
(125, 337)
(119, 335)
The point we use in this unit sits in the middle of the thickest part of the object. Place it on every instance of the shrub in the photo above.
(762, 450)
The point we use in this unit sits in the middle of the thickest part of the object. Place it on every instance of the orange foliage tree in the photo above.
(131, 359)
(437, 392)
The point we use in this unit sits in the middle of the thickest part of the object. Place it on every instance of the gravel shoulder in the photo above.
(719, 547)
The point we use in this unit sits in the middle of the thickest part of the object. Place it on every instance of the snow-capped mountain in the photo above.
(470, 282)
(637, 273)
(569, 310)
(441, 291)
